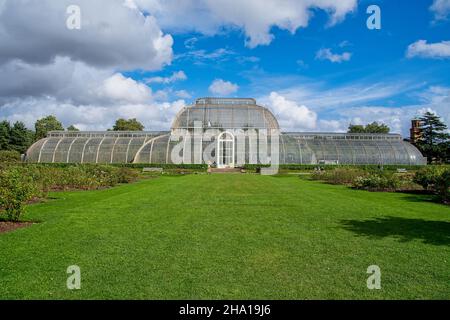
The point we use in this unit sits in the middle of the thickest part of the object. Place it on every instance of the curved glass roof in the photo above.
(218, 114)
(222, 113)
(89, 147)
(356, 149)
(157, 147)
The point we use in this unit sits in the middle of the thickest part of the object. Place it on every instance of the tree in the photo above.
(44, 125)
(20, 138)
(72, 128)
(128, 125)
(353, 128)
(5, 134)
(376, 127)
(434, 141)
(373, 127)
(444, 150)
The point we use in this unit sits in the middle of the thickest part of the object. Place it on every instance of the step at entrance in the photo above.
(224, 170)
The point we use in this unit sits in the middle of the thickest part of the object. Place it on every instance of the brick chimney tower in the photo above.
(415, 132)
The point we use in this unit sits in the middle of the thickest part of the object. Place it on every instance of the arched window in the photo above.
(225, 150)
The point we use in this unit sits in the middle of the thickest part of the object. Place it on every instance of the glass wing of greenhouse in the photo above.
(214, 130)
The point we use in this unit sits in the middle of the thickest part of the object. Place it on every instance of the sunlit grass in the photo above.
(230, 237)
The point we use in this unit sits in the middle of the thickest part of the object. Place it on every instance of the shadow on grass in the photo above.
(405, 229)
(421, 196)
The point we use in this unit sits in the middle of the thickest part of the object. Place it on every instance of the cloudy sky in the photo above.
(314, 63)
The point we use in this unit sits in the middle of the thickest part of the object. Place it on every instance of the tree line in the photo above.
(18, 138)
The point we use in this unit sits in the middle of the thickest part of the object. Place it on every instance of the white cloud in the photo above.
(121, 89)
(344, 44)
(223, 88)
(322, 98)
(154, 116)
(398, 119)
(183, 94)
(436, 95)
(203, 56)
(82, 95)
(290, 115)
(332, 126)
(68, 81)
(130, 4)
(176, 76)
(302, 64)
(190, 43)
(326, 54)
(255, 17)
(439, 50)
(440, 9)
(247, 59)
(46, 68)
(35, 32)
(361, 103)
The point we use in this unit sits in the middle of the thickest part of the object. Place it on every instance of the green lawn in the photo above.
(229, 237)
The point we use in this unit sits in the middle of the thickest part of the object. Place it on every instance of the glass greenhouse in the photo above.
(224, 133)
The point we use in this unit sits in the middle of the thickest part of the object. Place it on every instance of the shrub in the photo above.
(436, 179)
(15, 190)
(98, 176)
(20, 183)
(9, 156)
(312, 167)
(43, 178)
(339, 175)
(377, 182)
(426, 177)
(126, 175)
(168, 166)
(368, 178)
(406, 182)
(442, 186)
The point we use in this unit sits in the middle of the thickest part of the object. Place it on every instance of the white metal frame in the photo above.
(56, 149)
(70, 149)
(112, 150)
(222, 140)
(98, 149)
(84, 149)
(42, 148)
(128, 150)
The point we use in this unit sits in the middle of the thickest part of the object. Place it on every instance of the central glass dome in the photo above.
(225, 113)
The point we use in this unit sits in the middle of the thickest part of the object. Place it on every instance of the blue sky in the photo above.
(376, 55)
(318, 69)
(378, 59)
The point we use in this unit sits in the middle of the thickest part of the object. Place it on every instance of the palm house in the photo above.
(224, 132)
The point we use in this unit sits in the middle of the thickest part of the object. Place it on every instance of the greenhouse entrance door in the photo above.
(225, 150)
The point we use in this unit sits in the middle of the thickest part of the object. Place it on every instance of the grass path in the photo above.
(229, 237)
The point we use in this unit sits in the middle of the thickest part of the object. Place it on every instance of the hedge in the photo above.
(202, 167)
(311, 167)
(7, 156)
(251, 167)
(19, 184)
(435, 179)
